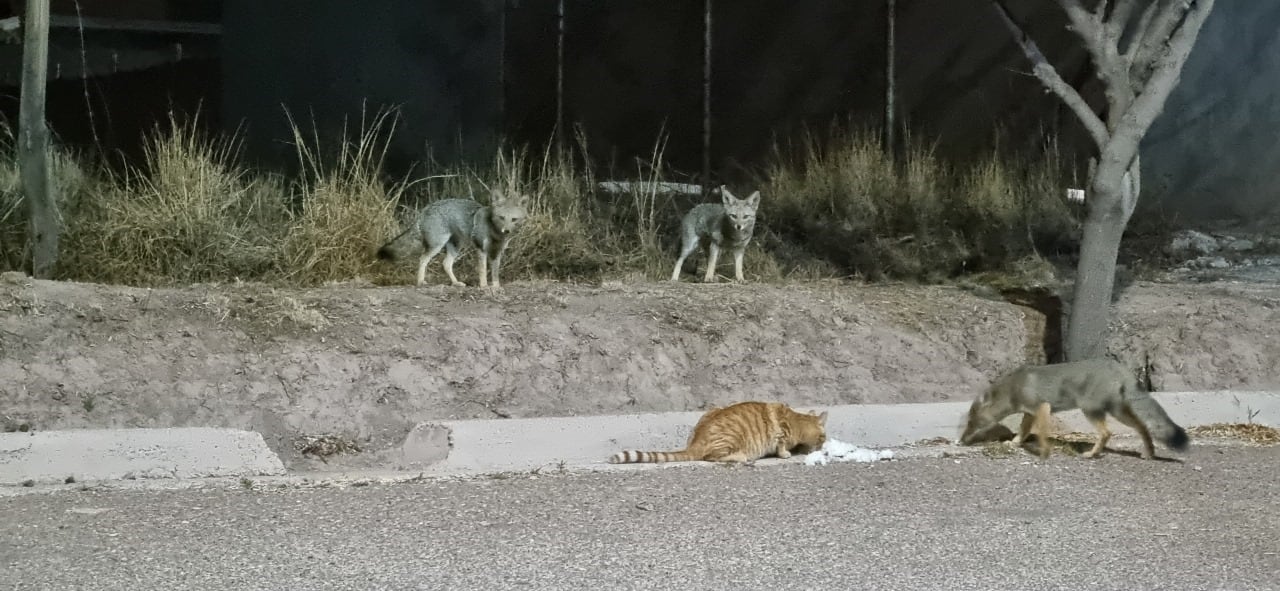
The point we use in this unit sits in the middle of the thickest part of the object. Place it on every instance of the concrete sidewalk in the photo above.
(509, 445)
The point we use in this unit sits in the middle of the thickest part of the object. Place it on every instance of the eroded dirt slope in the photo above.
(366, 364)
(369, 363)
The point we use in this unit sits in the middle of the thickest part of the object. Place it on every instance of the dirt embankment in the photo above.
(1211, 336)
(366, 364)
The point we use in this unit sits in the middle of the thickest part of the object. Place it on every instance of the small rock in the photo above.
(1218, 263)
(1239, 245)
(1191, 241)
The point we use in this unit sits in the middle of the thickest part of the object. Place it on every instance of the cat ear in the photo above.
(822, 418)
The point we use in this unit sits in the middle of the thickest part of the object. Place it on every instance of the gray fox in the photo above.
(728, 224)
(1098, 387)
(449, 224)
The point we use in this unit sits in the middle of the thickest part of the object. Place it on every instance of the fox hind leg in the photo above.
(1126, 416)
(1043, 412)
(451, 255)
(1099, 421)
(687, 246)
(425, 259)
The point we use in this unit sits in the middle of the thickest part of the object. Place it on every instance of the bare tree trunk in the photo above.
(33, 141)
(1094, 283)
(1138, 76)
(1114, 198)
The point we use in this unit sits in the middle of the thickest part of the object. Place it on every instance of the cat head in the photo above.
(809, 430)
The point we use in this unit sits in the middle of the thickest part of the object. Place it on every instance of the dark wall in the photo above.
(114, 114)
(778, 67)
(1215, 151)
(633, 68)
(437, 61)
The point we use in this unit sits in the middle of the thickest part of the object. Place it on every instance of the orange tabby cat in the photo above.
(743, 432)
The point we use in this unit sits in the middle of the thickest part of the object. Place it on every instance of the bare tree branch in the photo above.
(1135, 39)
(1100, 11)
(1052, 81)
(1089, 28)
(1103, 50)
(1118, 20)
(1123, 148)
(1155, 37)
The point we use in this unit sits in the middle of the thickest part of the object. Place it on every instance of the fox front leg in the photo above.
(713, 255)
(497, 264)
(737, 264)
(1024, 429)
(483, 263)
(1042, 428)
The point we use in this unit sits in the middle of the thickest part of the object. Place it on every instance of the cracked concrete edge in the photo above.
(45, 457)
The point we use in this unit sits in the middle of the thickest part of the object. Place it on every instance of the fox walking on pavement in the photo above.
(449, 224)
(728, 224)
(1098, 387)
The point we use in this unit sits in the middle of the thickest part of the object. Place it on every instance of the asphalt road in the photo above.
(1211, 522)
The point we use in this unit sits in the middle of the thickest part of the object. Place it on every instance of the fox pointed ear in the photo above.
(822, 417)
(726, 196)
(524, 199)
(753, 199)
(496, 195)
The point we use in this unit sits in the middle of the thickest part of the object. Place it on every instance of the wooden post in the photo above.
(890, 82)
(33, 141)
(559, 133)
(706, 97)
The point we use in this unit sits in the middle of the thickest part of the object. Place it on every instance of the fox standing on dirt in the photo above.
(446, 223)
(728, 224)
(742, 433)
(1098, 387)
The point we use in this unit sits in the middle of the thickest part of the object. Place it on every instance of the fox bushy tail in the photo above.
(1158, 423)
(651, 457)
(401, 245)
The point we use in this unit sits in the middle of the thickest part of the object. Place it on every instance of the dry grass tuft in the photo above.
(846, 202)
(188, 214)
(346, 210)
(835, 208)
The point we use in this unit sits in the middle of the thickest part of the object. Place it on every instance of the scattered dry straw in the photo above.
(1251, 432)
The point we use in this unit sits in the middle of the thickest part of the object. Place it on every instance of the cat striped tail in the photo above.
(651, 457)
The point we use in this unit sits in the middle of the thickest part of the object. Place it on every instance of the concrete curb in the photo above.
(474, 447)
(47, 457)
(507, 445)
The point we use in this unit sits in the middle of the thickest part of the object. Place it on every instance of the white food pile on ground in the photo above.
(839, 451)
